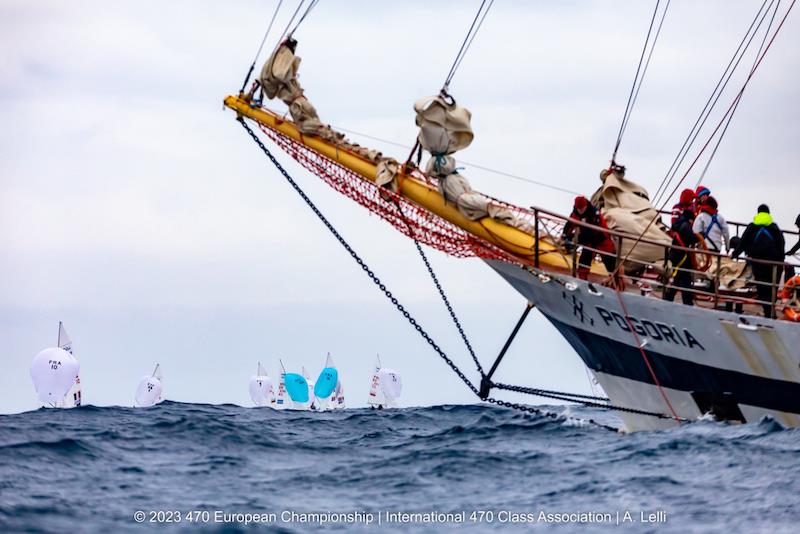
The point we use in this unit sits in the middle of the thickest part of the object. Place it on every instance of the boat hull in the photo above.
(738, 368)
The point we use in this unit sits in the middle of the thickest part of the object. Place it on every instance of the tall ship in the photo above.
(733, 355)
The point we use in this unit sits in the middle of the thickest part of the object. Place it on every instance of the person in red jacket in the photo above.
(686, 203)
(590, 238)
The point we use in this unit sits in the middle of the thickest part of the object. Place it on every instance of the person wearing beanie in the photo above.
(686, 203)
(763, 240)
(682, 236)
(589, 238)
(700, 196)
(712, 226)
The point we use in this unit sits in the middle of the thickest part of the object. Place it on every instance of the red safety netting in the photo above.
(409, 218)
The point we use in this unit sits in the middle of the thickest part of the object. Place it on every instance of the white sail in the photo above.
(311, 405)
(338, 397)
(262, 391)
(391, 385)
(376, 398)
(150, 390)
(54, 372)
(73, 397)
(282, 399)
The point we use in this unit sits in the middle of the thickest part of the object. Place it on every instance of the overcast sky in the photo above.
(135, 209)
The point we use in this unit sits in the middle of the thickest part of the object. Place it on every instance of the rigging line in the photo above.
(261, 46)
(390, 296)
(544, 392)
(711, 137)
(463, 44)
(289, 24)
(633, 87)
(646, 65)
(703, 116)
(462, 162)
(739, 100)
(469, 44)
(311, 6)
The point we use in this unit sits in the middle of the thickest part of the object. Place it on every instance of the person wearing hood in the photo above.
(712, 226)
(682, 236)
(686, 203)
(763, 240)
(590, 238)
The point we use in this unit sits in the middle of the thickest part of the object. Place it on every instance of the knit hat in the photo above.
(581, 203)
(702, 190)
(763, 208)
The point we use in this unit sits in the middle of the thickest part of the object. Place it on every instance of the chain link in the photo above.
(424, 334)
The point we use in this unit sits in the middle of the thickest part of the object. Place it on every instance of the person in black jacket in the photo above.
(590, 238)
(682, 236)
(763, 240)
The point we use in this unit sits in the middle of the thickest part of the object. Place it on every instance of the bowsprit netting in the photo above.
(406, 216)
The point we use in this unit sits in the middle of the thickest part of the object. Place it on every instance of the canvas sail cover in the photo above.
(626, 207)
(444, 127)
(261, 390)
(148, 392)
(53, 371)
(391, 384)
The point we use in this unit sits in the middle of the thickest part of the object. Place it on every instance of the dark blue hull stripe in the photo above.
(612, 357)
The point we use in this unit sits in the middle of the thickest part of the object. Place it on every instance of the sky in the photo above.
(134, 208)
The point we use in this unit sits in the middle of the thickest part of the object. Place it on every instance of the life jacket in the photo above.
(791, 292)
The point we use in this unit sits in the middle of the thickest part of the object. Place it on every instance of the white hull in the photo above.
(741, 366)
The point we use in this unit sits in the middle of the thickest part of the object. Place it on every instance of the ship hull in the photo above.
(735, 367)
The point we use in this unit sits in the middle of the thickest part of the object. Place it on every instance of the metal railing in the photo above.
(655, 276)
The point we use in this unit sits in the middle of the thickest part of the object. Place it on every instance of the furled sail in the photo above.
(261, 388)
(626, 207)
(149, 391)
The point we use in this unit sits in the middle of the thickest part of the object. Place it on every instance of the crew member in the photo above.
(700, 196)
(686, 203)
(682, 236)
(594, 241)
(790, 270)
(763, 240)
(712, 226)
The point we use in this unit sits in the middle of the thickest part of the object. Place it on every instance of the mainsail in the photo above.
(149, 391)
(298, 389)
(262, 391)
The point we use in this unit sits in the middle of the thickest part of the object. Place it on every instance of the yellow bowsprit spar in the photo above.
(521, 245)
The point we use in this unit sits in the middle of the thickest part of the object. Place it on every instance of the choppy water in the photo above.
(91, 469)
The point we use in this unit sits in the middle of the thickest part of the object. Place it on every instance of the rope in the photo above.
(391, 297)
(738, 100)
(467, 163)
(629, 104)
(466, 44)
(261, 46)
(311, 6)
(694, 132)
(711, 137)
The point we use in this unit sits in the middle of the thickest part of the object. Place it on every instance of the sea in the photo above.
(180, 467)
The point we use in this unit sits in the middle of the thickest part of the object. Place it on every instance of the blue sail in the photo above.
(326, 383)
(296, 387)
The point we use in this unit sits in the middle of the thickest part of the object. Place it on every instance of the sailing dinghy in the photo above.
(149, 392)
(385, 387)
(325, 386)
(262, 391)
(55, 374)
(299, 391)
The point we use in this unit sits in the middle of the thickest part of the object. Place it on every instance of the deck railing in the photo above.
(654, 277)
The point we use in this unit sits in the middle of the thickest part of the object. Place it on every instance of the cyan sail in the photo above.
(326, 383)
(297, 387)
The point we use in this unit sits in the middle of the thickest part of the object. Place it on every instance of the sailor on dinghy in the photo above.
(54, 372)
(149, 392)
(327, 388)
